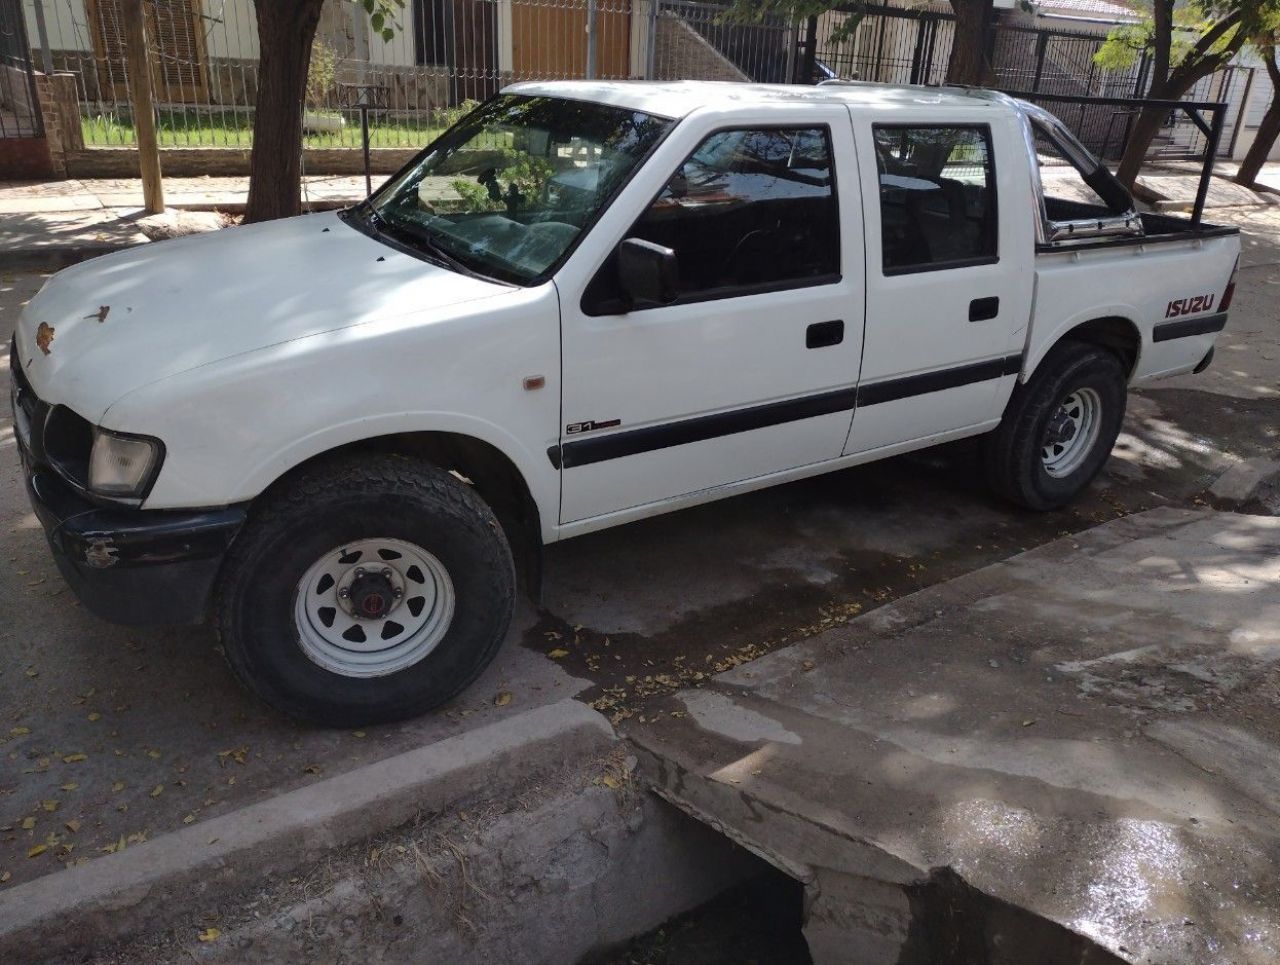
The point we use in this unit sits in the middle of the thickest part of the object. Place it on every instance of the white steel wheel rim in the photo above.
(1071, 433)
(343, 637)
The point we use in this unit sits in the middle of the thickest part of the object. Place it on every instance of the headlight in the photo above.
(123, 465)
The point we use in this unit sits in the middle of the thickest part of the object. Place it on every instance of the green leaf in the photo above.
(388, 34)
(377, 20)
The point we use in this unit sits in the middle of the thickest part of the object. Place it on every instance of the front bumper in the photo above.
(133, 566)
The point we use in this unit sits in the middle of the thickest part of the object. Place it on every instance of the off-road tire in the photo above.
(347, 499)
(1012, 452)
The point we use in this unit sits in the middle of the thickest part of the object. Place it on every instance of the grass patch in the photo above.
(196, 127)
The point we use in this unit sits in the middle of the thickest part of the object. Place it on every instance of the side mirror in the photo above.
(647, 273)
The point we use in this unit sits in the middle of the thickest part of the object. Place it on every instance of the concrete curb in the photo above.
(150, 886)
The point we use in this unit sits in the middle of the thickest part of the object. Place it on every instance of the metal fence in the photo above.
(447, 54)
(19, 107)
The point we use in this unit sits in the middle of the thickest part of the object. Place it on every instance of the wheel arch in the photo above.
(1116, 332)
(481, 464)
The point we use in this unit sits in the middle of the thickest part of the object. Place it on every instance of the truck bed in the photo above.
(1157, 228)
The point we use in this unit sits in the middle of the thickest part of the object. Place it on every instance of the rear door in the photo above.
(753, 370)
(950, 272)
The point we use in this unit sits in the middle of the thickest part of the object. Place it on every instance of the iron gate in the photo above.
(19, 106)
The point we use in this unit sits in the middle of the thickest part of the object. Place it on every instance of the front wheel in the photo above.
(369, 589)
(1059, 428)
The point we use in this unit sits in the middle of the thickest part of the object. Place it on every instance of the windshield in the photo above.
(508, 190)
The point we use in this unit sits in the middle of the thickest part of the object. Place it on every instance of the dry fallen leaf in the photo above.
(19, 731)
(157, 790)
(154, 754)
(74, 758)
(69, 786)
(28, 824)
(237, 754)
(611, 782)
(502, 699)
(210, 934)
(38, 850)
(49, 805)
(95, 716)
(73, 825)
(5, 876)
(557, 653)
(118, 786)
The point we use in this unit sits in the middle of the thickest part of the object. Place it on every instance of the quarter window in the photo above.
(937, 197)
(750, 209)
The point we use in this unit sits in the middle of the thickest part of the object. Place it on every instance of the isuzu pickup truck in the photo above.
(341, 437)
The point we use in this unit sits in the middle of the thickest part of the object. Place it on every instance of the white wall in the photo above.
(66, 24)
(1260, 95)
(230, 27)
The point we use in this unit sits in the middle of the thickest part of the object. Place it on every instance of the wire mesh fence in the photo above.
(447, 54)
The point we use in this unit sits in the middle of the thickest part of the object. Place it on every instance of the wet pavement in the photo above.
(630, 614)
(1076, 747)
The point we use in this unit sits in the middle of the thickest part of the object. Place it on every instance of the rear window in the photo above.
(937, 197)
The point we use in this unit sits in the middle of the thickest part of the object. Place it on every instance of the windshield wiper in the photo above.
(418, 240)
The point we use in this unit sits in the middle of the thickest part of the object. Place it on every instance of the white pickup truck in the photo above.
(340, 437)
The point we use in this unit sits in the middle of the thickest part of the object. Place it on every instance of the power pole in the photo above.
(138, 60)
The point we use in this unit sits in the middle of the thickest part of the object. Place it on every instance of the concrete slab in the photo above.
(1077, 746)
(147, 886)
(1175, 191)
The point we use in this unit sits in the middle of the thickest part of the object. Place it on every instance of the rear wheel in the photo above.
(368, 589)
(1059, 428)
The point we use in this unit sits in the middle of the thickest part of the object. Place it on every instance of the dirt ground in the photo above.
(109, 736)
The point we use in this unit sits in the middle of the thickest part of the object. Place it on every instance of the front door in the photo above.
(753, 369)
(950, 274)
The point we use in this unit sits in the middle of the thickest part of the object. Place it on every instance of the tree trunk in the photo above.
(968, 64)
(1144, 130)
(1268, 130)
(1172, 85)
(1262, 144)
(286, 29)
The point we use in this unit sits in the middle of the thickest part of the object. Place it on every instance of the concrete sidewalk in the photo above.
(1071, 755)
(52, 224)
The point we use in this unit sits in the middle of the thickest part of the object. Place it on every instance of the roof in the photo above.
(678, 98)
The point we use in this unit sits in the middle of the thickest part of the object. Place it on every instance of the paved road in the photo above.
(169, 738)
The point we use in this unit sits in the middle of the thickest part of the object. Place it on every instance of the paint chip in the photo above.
(44, 335)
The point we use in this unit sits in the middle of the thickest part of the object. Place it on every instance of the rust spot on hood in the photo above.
(100, 314)
(44, 335)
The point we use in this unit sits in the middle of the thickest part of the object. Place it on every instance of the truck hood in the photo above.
(111, 325)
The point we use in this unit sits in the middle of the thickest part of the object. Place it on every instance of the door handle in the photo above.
(981, 309)
(822, 334)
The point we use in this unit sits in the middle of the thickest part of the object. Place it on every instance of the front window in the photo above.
(509, 189)
(750, 208)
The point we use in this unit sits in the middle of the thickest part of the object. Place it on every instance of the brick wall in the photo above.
(110, 162)
(44, 157)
